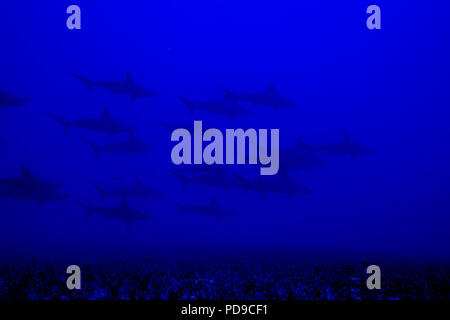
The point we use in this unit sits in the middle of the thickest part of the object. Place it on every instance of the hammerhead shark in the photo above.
(131, 145)
(104, 123)
(122, 212)
(346, 147)
(211, 209)
(28, 187)
(127, 87)
(138, 190)
(227, 106)
(269, 98)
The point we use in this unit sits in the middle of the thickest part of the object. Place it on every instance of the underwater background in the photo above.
(386, 91)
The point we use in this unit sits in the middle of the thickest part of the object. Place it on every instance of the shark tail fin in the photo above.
(184, 180)
(65, 123)
(100, 190)
(160, 123)
(188, 103)
(304, 146)
(97, 149)
(128, 77)
(90, 83)
(86, 207)
(271, 89)
(26, 172)
(244, 182)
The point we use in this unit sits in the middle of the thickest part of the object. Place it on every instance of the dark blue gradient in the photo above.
(388, 88)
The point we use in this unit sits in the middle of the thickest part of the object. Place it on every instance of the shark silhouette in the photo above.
(104, 123)
(138, 190)
(346, 147)
(299, 159)
(219, 177)
(131, 145)
(127, 87)
(268, 98)
(211, 209)
(122, 212)
(281, 184)
(29, 187)
(227, 106)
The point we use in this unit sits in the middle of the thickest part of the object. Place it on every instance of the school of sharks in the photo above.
(27, 186)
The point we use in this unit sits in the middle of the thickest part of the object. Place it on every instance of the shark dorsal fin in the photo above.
(106, 113)
(26, 173)
(230, 96)
(347, 137)
(271, 88)
(128, 78)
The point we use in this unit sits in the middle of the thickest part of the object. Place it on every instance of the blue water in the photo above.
(388, 88)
